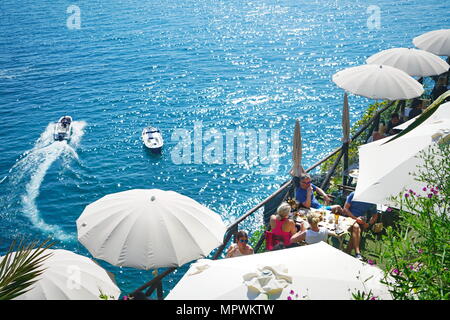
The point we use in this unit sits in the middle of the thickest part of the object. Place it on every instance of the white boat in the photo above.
(63, 129)
(152, 139)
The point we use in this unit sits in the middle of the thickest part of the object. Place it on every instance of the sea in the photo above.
(200, 71)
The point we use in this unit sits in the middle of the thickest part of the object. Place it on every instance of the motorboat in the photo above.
(152, 139)
(63, 129)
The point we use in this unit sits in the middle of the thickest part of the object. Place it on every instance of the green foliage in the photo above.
(415, 255)
(361, 295)
(20, 268)
(104, 296)
(254, 238)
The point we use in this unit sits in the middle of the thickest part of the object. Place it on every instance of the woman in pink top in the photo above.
(281, 226)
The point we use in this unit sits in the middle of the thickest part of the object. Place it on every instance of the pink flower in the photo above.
(289, 298)
(430, 195)
(420, 251)
(389, 209)
(373, 298)
(424, 188)
(395, 271)
(371, 262)
(406, 195)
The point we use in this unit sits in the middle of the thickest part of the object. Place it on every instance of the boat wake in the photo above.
(26, 176)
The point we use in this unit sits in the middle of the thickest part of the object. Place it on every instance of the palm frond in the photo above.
(424, 116)
(21, 267)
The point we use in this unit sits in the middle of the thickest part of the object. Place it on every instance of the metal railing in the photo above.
(156, 283)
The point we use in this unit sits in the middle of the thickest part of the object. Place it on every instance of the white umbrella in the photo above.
(297, 168)
(443, 112)
(318, 271)
(149, 229)
(437, 42)
(413, 61)
(70, 276)
(378, 82)
(384, 168)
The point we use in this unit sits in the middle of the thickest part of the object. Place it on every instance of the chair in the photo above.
(274, 241)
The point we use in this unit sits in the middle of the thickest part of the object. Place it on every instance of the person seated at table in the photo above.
(304, 194)
(315, 233)
(439, 88)
(377, 135)
(240, 247)
(282, 228)
(361, 212)
(393, 122)
(416, 109)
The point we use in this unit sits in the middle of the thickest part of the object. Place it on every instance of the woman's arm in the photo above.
(299, 236)
(333, 234)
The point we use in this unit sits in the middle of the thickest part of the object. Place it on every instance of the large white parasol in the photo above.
(437, 42)
(317, 272)
(387, 168)
(413, 61)
(70, 276)
(378, 82)
(149, 229)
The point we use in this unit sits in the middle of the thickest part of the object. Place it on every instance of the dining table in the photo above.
(338, 224)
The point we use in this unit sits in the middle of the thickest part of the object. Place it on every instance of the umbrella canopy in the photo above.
(384, 168)
(413, 61)
(318, 271)
(345, 120)
(297, 168)
(443, 112)
(437, 42)
(378, 82)
(70, 276)
(149, 229)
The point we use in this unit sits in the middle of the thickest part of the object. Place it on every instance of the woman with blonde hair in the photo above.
(315, 234)
(282, 228)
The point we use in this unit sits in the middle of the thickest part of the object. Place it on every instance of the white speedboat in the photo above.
(152, 139)
(63, 129)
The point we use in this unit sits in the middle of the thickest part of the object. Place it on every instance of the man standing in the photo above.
(361, 212)
(305, 195)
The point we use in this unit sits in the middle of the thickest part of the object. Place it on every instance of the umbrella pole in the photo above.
(448, 71)
(345, 169)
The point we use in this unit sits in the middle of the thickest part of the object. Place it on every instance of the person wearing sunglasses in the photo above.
(304, 194)
(240, 247)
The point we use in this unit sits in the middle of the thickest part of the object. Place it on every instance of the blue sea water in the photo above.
(226, 64)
